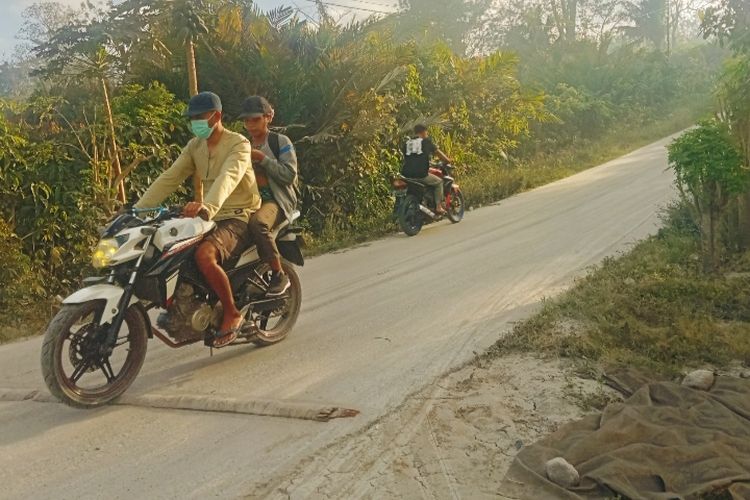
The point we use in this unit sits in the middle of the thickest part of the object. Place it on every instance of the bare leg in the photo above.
(207, 258)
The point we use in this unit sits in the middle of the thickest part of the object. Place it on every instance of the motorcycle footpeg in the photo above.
(208, 338)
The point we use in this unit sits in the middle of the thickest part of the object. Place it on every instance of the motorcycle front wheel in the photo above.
(76, 369)
(410, 219)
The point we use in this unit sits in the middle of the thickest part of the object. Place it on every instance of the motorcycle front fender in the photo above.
(111, 294)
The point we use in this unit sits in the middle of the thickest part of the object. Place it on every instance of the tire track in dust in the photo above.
(312, 474)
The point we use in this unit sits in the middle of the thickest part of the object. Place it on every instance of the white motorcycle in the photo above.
(96, 344)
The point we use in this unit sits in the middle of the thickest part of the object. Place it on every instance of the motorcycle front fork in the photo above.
(124, 303)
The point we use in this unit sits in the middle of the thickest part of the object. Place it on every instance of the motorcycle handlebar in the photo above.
(162, 213)
(440, 164)
(449, 166)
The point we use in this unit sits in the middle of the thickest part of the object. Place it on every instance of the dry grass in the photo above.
(651, 308)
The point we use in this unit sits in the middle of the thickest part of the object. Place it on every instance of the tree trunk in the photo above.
(715, 240)
(743, 221)
(572, 21)
(676, 20)
(708, 249)
(558, 13)
(192, 73)
(669, 29)
(193, 84)
(115, 154)
(565, 14)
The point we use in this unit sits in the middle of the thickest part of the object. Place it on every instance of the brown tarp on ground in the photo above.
(665, 441)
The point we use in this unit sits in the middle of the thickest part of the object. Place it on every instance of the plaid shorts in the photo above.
(230, 237)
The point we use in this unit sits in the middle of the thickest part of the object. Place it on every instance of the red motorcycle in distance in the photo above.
(415, 203)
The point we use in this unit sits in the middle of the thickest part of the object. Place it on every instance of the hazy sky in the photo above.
(11, 18)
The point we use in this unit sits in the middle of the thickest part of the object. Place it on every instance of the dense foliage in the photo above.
(101, 106)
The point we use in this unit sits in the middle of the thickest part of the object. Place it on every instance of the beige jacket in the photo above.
(228, 178)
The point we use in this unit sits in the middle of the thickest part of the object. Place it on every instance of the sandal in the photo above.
(226, 338)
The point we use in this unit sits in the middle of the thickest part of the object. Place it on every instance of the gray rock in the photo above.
(629, 281)
(560, 472)
(699, 379)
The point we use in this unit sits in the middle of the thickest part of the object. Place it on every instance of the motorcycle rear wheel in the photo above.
(410, 219)
(73, 337)
(287, 317)
(456, 210)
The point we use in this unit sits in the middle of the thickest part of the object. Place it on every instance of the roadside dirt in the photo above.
(454, 439)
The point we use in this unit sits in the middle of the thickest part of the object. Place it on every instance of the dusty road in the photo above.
(378, 323)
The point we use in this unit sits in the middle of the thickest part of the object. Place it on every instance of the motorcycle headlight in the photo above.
(103, 253)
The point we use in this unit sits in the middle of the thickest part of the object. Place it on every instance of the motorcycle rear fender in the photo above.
(288, 245)
(111, 294)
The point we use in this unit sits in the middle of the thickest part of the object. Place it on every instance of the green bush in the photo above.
(346, 95)
(709, 171)
(20, 282)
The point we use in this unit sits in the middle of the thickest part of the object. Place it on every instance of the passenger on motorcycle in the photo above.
(417, 152)
(222, 159)
(275, 165)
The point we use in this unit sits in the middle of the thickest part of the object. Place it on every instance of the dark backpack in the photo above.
(273, 143)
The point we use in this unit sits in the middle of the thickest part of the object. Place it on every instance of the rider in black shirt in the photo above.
(417, 153)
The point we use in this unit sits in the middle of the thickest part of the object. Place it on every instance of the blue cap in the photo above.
(203, 102)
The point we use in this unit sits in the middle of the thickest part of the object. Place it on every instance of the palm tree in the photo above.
(159, 21)
(649, 21)
(448, 21)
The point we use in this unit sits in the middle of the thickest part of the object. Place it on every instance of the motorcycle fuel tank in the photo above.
(181, 229)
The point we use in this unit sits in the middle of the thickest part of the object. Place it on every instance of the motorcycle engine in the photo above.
(187, 317)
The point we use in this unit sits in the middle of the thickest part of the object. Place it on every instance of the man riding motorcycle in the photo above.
(275, 166)
(222, 159)
(417, 152)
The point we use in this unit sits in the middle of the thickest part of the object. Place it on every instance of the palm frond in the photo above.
(279, 17)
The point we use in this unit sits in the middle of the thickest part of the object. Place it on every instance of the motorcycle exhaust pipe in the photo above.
(427, 211)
